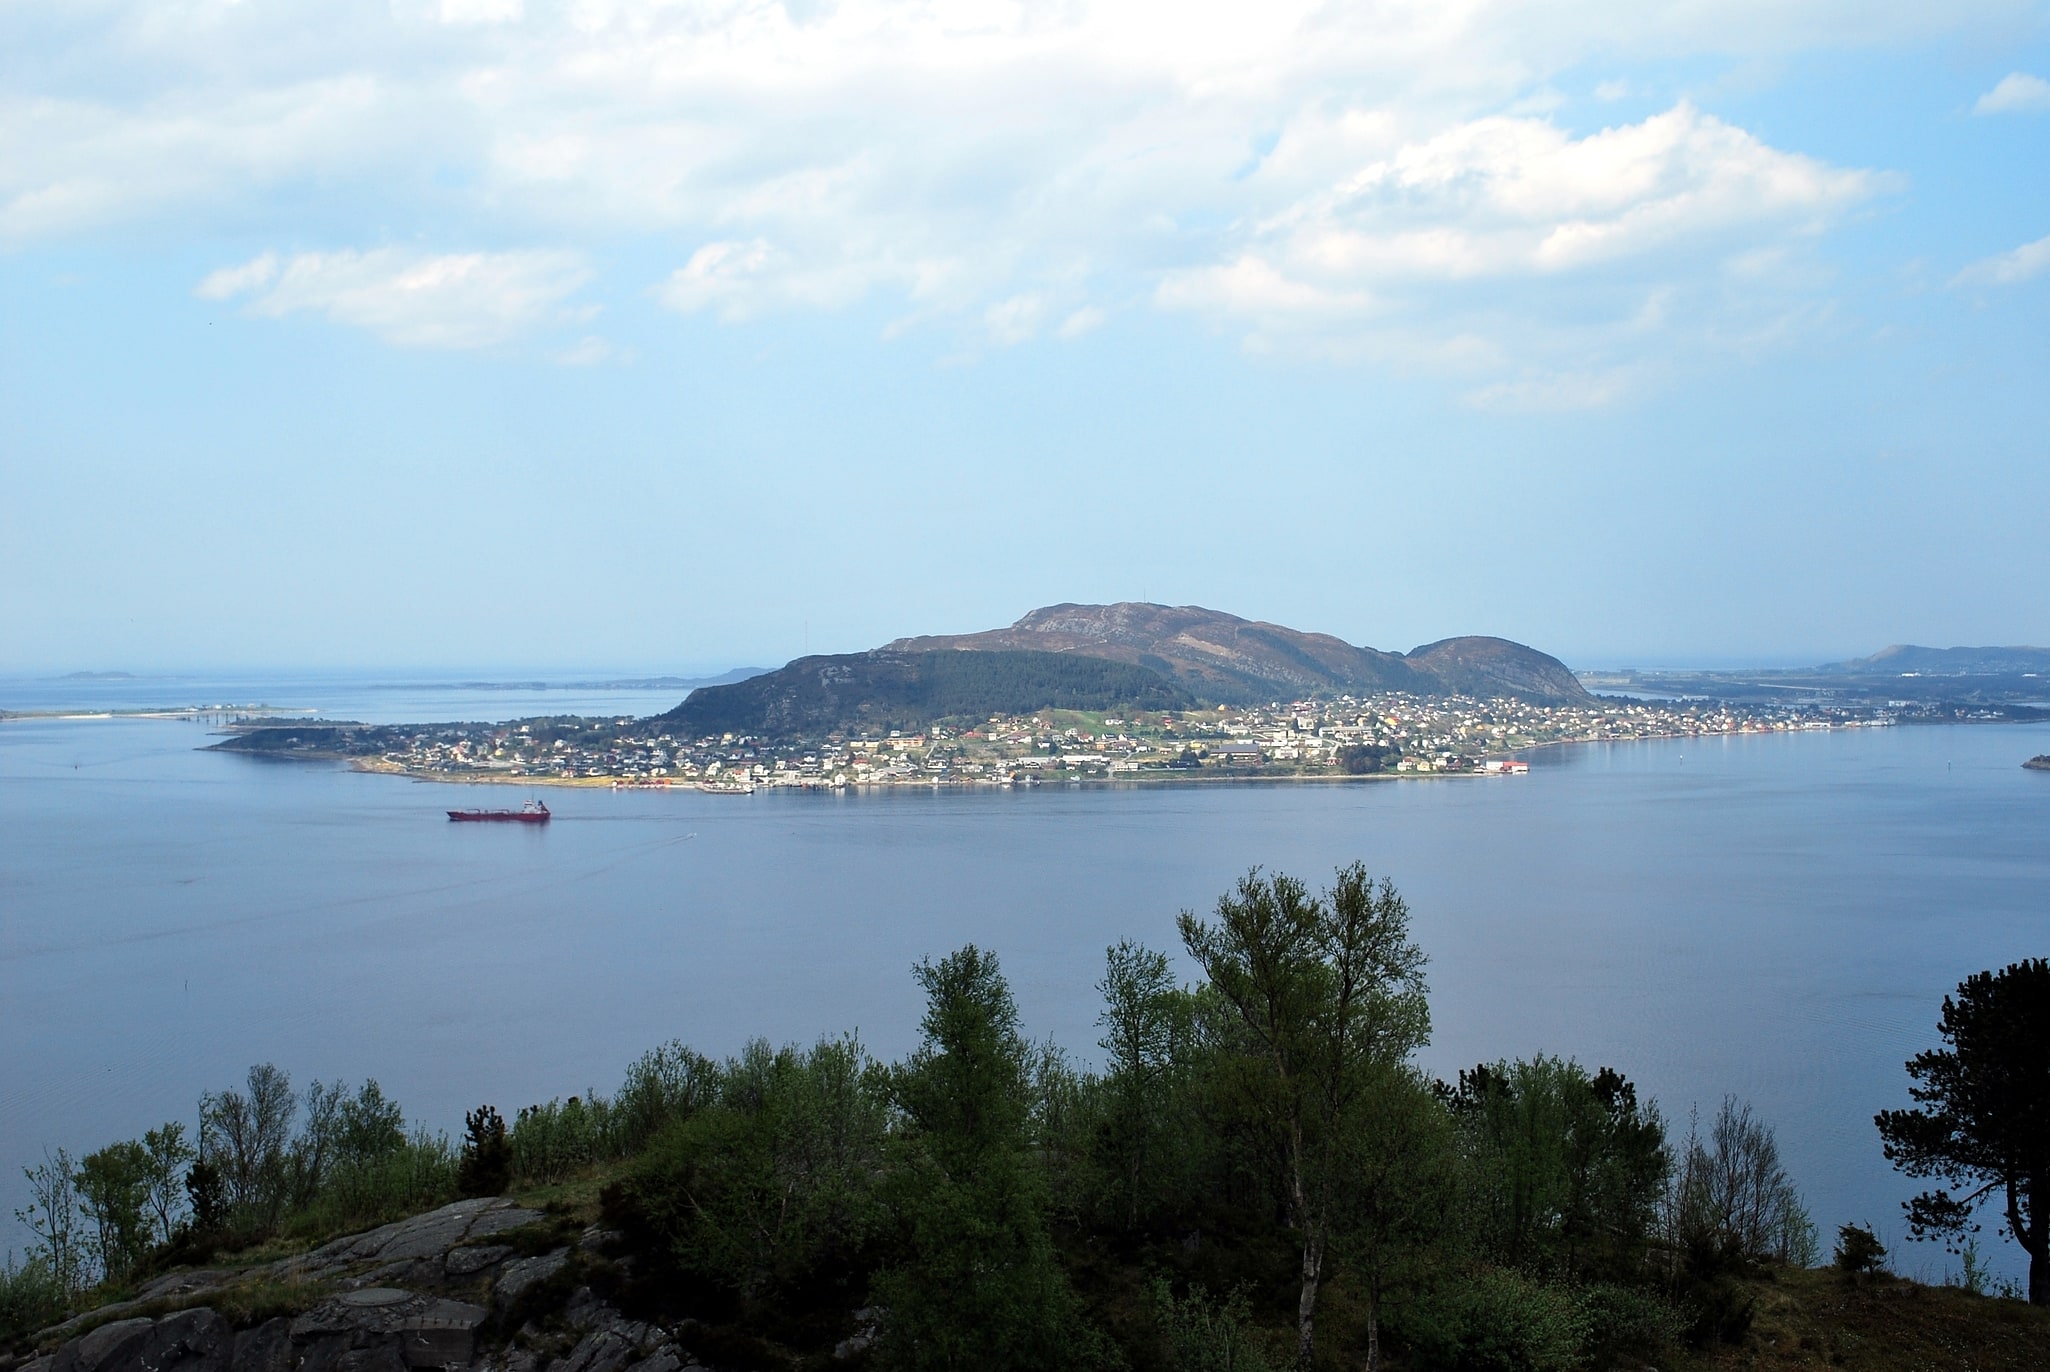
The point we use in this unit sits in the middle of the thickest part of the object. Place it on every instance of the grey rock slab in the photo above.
(426, 1236)
(103, 1345)
(522, 1273)
(189, 1341)
(183, 1283)
(468, 1261)
(664, 1359)
(598, 1351)
(358, 1316)
(498, 1221)
(266, 1348)
(443, 1335)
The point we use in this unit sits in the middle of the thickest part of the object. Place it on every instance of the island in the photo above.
(1123, 693)
(2039, 763)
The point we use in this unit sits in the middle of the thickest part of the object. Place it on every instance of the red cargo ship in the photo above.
(533, 812)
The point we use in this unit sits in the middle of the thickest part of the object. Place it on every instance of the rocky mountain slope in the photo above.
(1222, 657)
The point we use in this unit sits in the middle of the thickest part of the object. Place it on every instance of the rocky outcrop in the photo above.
(431, 1292)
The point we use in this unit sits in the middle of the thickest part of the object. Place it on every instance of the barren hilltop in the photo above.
(1222, 657)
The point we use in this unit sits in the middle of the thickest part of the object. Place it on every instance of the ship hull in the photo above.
(497, 817)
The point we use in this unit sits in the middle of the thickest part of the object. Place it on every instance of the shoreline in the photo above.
(1133, 779)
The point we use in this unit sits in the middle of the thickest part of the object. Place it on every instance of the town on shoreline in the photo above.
(1379, 736)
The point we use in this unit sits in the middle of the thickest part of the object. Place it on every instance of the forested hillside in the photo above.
(878, 691)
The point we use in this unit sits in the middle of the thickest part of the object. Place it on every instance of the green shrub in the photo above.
(418, 1175)
(486, 1168)
(1497, 1321)
(1204, 1335)
(551, 1141)
(663, 1086)
(771, 1191)
(1858, 1249)
(1629, 1323)
(31, 1298)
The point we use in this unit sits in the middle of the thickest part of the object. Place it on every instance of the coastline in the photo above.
(1120, 779)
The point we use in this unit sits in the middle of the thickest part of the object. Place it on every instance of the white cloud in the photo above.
(1088, 319)
(947, 157)
(1488, 245)
(457, 300)
(741, 279)
(482, 11)
(233, 281)
(2018, 92)
(1554, 392)
(2025, 263)
(592, 351)
(1014, 320)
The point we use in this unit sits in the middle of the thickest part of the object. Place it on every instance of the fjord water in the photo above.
(1775, 916)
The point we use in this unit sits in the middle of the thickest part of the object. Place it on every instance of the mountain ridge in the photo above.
(1224, 657)
(1961, 661)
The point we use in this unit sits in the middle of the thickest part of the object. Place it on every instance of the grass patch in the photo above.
(1818, 1317)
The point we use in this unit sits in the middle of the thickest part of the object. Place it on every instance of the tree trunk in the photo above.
(1373, 1333)
(1306, 1307)
(2039, 1244)
(2035, 1240)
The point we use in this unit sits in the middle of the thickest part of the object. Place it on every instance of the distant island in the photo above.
(2039, 763)
(1955, 683)
(1131, 692)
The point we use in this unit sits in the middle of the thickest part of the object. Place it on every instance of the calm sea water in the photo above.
(1777, 917)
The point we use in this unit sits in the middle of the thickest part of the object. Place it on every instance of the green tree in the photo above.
(1328, 990)
(113, 1190)
(979, 1286)
(246, 1138)
(1983, 1125)
(1395, 1189)
(310, 1161)
(208, 1195)
(769, 1190)
(1205, 1335)
(168, 1155)
(1732, 1202)
(1564, 1171)
(486, 1168)
(52, 1215)
(1146, 1024)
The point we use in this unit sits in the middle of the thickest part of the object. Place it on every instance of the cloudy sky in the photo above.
(672, 336)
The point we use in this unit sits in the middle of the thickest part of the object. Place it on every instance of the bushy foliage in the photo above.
(769, 1189)
(1562, 1172)
(31, 1298)
(1732, 1204)
(1498, 1320)
(1858, 1250)
(486, 1166)
(1201, 1334)
(551, 1141)
(976, 1283)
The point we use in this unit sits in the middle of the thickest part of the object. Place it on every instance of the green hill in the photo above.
(887, 689)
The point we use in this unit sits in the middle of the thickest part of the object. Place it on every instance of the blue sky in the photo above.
(476, 333)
